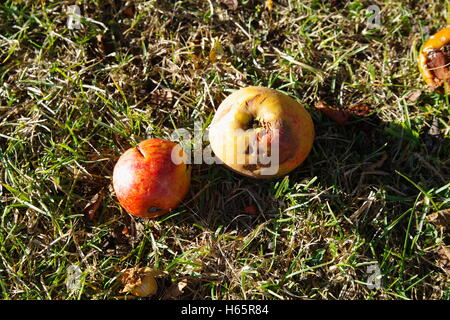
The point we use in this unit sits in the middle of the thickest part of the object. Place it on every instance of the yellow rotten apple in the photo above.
(140, 282)
(261, 133)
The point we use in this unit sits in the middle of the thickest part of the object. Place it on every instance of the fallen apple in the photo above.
(140, 282)
(261, 132)
(434, 60)
(152, 178)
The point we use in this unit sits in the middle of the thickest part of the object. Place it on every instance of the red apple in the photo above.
(152, 178)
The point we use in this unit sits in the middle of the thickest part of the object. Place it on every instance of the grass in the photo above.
(71, 101)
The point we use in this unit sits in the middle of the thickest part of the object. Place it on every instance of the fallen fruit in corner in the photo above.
(140, 282)
(261, 132)
(434, 59)
(152, 178)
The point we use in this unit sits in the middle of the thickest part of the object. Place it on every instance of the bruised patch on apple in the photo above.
(277, 135)
(269, 135)
(438, 63)
(434, 60)
(287, 143)
(154, 209)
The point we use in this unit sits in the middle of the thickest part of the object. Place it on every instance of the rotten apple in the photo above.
(261, 132)
(152, 178)
(434, 60)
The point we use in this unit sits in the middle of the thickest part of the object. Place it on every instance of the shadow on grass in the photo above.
(353, 160)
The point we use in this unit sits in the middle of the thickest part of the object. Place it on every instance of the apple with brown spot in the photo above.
(261, 132)
(152, 178)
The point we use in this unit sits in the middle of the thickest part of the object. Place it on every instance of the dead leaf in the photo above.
(161, 97)
(342, 116)
(337, 115)
(358, 109)
(440, 218)
(92, 207)
(129, 11)
(251, 210)
(175, 290)
(230, 4)
(444, 258)
(140, 282)
(413, 96)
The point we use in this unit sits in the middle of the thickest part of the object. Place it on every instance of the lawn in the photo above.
(366, 215)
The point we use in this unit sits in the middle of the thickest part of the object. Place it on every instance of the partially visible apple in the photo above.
(434, 59)
(261, 133)
(147, 180)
